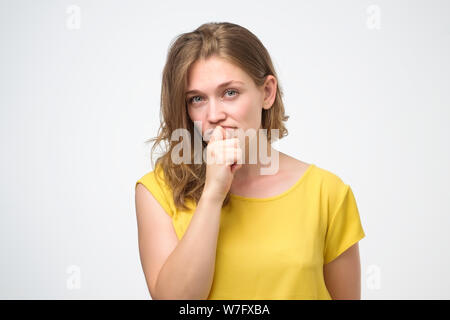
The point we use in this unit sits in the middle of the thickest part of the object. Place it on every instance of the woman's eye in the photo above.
(193, 99)
(231, 90)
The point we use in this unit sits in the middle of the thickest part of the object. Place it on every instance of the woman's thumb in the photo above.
(217, 134)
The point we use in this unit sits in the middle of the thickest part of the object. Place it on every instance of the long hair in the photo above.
(238, 46)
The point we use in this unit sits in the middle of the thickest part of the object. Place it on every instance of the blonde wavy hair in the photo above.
(238, 46)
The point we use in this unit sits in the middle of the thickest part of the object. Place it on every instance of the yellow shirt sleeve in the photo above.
(157, 189)
(344, 228)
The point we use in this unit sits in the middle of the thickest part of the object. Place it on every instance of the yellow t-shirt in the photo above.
(275, 248)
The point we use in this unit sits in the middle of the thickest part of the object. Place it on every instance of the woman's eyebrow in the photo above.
(218, 87)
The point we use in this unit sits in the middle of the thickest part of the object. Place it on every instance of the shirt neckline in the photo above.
(299, 181)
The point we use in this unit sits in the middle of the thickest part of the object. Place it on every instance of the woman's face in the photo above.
(219, 93)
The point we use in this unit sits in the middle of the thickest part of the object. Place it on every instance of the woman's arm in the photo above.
(189, 271)
(343, 275)
(175, 269)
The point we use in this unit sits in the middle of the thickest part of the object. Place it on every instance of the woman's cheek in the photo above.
(243, 111)
(196, 114)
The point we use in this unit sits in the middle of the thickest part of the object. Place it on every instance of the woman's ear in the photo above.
(269, 91)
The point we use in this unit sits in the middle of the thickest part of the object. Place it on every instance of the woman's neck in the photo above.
(267, 163)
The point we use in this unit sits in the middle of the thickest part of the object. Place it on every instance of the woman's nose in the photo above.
(215, 111)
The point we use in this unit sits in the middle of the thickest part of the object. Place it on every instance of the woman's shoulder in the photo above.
(328, 177)
(319, 178)
(154, 178)
(323, 175)
(154, 182)
(148, 176)
(330, 185)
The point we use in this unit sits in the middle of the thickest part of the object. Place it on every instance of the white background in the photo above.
(368, 100)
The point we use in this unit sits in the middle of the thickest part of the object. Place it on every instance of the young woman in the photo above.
(221, 229)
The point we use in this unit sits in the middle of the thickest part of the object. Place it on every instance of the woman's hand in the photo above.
(224, 158)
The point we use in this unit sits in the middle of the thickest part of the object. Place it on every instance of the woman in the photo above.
(221, 229)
